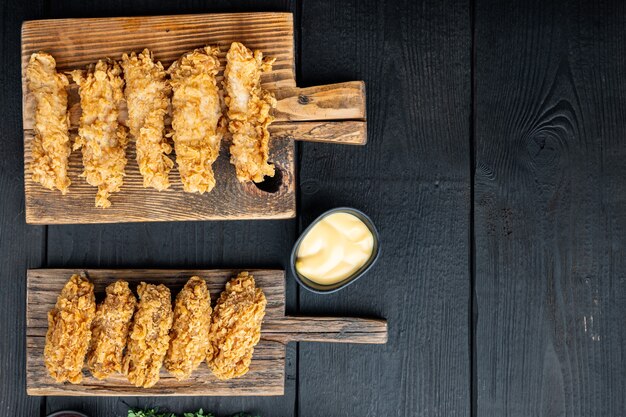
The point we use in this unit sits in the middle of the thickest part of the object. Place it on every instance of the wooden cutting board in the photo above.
(267, 371)
(332, 113)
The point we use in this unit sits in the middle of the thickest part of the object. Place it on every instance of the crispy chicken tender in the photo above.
(69, 330)
(51, 145)
(147, 92)
(235, 327)
(196, 117)
(190, 330)
(249, 109)
(102, 139)
(149, 335)
(110, 330)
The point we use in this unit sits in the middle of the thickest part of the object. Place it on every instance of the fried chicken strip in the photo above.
(102, 139)
(249, 109)
(51, 145)
(235, 327)
(190, 330)
(147, 94)
(149, 335)
(69, 330)
(110, 330)
(196, 117)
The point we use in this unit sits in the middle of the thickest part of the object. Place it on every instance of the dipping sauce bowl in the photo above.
(322, 288)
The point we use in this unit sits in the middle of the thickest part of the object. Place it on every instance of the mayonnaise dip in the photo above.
(334, 248)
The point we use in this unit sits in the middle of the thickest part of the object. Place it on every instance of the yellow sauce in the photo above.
(336, 247)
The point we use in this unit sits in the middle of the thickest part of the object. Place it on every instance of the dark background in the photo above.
(495, 171)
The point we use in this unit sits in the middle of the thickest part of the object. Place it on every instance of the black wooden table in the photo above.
(495, 170)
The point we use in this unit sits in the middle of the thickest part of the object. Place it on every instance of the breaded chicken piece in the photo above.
(110, 330)
(190, 330)
(51, 146)
(249, 109)
(235, 327)
(69, 330)
(196, 117)
(147, 96)
(102, 139)
(149, 335)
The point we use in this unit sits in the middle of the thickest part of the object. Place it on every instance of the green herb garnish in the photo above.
(152, 412)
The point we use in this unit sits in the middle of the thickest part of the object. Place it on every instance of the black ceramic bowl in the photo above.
(326, 289)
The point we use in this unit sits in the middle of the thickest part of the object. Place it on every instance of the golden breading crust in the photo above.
(249, 109)
(149, 335)
(69, 330)
(110, 330)
(102, 139)
(190, 330)
(51, 145)
(235, 327)
(147, 92)
(196, 117)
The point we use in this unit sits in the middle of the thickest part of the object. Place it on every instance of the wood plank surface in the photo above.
(76, 43)
(413, 179)
(266, 375)
(549, 217)
(326, 102)
(550, 208)
(345, 132)
(326, 329)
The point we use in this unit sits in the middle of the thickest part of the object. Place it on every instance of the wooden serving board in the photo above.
(267, 371)
(333, 113)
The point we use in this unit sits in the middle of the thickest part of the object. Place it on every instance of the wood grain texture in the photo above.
(77, 42)
(413, 180)
(345, 133)
(266, 375)
(550, 218)
(327, 329)
(326, 102)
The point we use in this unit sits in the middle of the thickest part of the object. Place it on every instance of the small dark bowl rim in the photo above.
(359, 273)
(60, 413)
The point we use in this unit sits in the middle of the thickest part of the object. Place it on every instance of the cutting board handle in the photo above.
(326, 329)
(333, 113)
